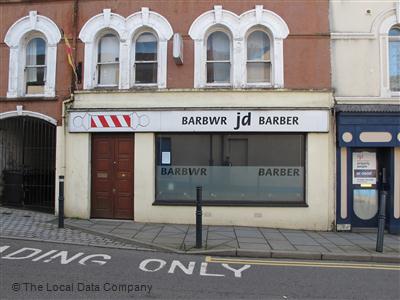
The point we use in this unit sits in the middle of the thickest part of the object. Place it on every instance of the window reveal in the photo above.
(394, 59)
(231, 168)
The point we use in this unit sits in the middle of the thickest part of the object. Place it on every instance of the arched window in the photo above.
(35, 66)
(32, 42)
(218, 58)
(258, 62)
(394, 58)
(146, 59)
(108, 60)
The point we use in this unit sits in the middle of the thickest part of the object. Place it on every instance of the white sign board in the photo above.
(200, 121)
(364, 168)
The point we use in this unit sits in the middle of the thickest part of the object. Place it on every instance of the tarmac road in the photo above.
(53, 271)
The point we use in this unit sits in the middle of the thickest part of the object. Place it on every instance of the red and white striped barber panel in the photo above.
(110, 121)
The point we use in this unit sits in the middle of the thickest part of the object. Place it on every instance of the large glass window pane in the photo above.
(394, 59)
(108, 74)
(258, 46)
(146, 73)
(218, 46)
(258, 72)
(218, 72)
(146, 47)
(108, 60)
(253, 168)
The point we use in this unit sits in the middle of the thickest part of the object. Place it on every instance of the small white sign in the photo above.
(166, 158)
(201, 121)
(364, 168)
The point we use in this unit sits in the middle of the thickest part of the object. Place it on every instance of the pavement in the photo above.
(217, 240)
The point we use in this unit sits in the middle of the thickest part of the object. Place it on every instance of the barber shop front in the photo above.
(256, 167)
(368, 163)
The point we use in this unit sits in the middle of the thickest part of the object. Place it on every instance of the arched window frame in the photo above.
(380, 28)
(226, 31)
(392, 39)
(239, 26)
(127, 28)
(100, 35)
(132, 66)
(269, 35)
(17, 38)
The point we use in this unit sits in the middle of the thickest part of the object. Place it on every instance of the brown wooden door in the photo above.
(112, 176)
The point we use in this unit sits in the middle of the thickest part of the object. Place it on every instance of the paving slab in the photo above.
(254, 246)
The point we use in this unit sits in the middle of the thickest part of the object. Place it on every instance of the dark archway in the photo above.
(27, 163)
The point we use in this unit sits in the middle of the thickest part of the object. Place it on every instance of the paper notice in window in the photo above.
(166, 158)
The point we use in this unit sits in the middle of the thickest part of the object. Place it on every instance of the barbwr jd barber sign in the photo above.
(200, 121)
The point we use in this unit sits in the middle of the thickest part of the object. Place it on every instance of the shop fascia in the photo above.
(200, 121)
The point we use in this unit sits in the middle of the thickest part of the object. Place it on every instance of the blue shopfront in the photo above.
(368, 162)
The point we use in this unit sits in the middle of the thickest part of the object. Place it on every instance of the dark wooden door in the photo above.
(112, 176)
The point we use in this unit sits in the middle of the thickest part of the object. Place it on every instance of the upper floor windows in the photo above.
(108, 60)
(218, 58)
(135, 54)
(258, 64)
(33, 55)
(35, 66)
(146, 59)
(394, 58)
(248, 52)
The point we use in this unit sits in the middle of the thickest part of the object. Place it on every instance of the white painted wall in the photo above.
(359, 50)
(320, 186)
(77, 175)
(320, 160)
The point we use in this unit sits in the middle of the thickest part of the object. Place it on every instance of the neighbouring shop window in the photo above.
(35, 66)
(246, 169)
(394, 58)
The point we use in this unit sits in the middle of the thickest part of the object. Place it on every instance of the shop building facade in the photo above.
(238, 102)
(366, 79)
(234, 97)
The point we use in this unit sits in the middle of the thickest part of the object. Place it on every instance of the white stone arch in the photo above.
(149, 21)
(199, 30)
(239, 26)
(277, 30)
(26, 113)
(380, 28)
(90, 34)
(28, 25)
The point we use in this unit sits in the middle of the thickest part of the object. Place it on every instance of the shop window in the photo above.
(394, 58)
(108, 60)
(146, 59)
(241, 169)
(218, 58)
(35, 66)
(258, 58)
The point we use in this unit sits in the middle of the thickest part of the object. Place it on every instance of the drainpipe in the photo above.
(61, 148)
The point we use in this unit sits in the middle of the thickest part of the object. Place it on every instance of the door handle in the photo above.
(114, 190)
